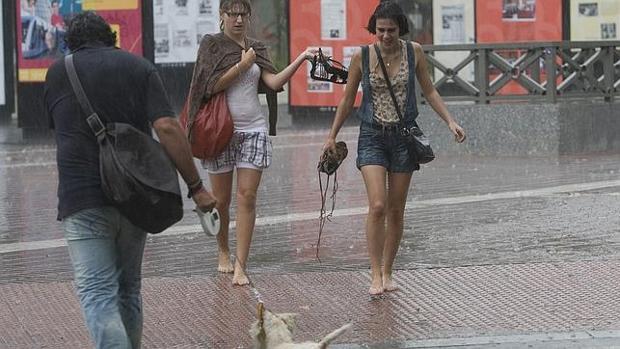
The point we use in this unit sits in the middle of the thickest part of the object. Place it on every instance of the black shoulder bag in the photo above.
(418, 144)
(137, 175)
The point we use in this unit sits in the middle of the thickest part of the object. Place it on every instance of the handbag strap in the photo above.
(389, 84)
(93, 120)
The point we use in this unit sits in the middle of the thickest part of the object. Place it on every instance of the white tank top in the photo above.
(245, 108)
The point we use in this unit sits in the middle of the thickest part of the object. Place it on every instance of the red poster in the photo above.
(41, 28)
(502, 21)
(311, 28)
(509, 21)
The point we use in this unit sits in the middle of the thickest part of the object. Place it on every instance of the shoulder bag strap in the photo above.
(93, 120)
(365, 66)
(389, 84)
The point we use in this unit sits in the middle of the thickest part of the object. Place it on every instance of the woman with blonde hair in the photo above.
(230, 61)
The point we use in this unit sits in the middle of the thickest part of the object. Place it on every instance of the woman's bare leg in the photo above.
(247, 186)
(374, 178)
(221, 185)
(398, 187)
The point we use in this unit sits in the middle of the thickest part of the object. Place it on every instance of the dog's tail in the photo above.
(330, 337)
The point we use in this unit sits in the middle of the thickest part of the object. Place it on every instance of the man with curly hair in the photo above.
(106, 249)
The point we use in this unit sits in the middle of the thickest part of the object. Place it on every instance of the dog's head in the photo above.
(278, 328)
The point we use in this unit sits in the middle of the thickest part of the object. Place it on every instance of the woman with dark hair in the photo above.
(232, 62)
(382, 155)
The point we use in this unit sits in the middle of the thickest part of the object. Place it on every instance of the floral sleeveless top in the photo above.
(383, 106)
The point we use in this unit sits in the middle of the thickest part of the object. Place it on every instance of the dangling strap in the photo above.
(260, 312)
(262, 335)
(323, 215)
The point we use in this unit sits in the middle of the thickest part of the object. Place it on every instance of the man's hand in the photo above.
(205, 201)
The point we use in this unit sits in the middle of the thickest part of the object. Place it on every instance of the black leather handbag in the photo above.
(137, 176)
(418, 144)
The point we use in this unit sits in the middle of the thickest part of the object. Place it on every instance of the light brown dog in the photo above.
(278, 333)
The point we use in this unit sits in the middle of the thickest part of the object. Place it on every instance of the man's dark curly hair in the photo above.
(88, 27)
(389, 10)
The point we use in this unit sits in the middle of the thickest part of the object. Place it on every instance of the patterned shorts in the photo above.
(245, 150)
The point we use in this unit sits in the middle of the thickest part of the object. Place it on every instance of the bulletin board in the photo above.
(593, 20)
(178, 27)
(338, 27)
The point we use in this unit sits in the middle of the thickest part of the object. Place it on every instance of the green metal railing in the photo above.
(540, 71)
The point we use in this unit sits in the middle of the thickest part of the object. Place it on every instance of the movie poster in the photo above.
(43, 23)
(179, 25)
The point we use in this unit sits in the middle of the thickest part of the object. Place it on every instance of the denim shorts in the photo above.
(384, 146)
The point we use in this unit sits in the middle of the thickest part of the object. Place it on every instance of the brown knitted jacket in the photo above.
(217, 53)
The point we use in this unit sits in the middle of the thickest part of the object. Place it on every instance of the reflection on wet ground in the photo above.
(505, 226)
(463, 212)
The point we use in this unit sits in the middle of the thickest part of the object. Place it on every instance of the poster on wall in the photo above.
(608, 31)
(453, 24)
(317, 86)
(333, 20)
(2, 86)
(594, 20)
(179, 26)
(42, 29)
(588, 9)
(519, 10)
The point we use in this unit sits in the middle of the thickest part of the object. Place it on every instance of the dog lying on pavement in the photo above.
(278, 333)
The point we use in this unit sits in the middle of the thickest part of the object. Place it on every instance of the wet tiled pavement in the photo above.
(492, 247)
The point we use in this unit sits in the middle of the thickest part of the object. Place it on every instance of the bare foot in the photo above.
(376, 287)
(388, 284)
(224, 265)
(239, 278)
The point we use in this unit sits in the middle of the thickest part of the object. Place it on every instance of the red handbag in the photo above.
(212, 128)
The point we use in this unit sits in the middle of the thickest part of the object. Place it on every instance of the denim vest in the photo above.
(366, 113)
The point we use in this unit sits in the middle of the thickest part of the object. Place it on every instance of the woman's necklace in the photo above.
(388, 59)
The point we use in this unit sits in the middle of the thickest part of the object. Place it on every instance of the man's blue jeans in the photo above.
(106, 252)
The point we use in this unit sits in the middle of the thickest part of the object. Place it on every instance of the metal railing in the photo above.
(540, 71)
